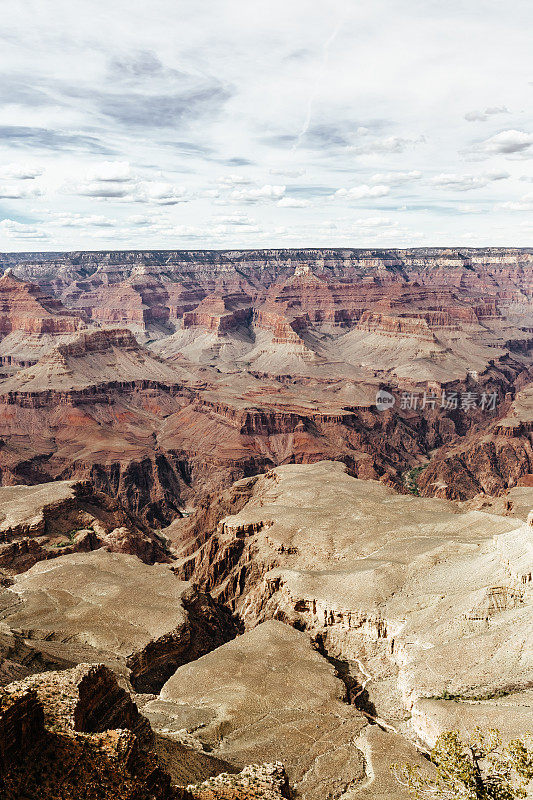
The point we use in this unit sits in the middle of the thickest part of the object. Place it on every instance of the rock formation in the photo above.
(52, 519)
(264, 357)
(418, 598)
(107, 607)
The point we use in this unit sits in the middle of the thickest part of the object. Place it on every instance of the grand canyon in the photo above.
(265, 517)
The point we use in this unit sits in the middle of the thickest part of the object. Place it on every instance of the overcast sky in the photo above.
(272, 123)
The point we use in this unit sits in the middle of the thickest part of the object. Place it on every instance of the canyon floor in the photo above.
(265, 518)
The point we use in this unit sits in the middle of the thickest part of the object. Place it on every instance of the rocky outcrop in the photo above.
(208, 625)
(24, 308)
(375, 578)
(21, 727)
(269, 694)
(487, 461)
(287, 351)
(256, 782)
(75, 734)
(219, 313)
(388, 325)
(78, 734)
(52, 519)
(140, 620)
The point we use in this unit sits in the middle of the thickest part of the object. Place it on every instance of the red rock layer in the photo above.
(24, 308)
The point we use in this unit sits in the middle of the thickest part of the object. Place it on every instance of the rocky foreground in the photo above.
(307, 619)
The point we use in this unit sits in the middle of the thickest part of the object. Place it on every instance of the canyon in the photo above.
(264, 516)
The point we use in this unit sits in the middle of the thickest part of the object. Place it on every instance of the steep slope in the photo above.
(31, 322)
(291, 349)
(52, 519)
(94, 359)
(78, 734)
(487, 461)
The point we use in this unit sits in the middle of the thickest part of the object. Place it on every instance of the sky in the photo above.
(189, 124)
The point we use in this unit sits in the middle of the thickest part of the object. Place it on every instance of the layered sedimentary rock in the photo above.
(77, 734)
(24, 308)
(31, 322)
(265, 357)
(52, 519)
(157, 434)
(489, 461)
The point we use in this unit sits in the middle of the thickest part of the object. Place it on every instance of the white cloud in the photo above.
(374, 222)
(288, 173)
(72, 220)
(107, 188)
(384, 144)
(362, 192)
(20, 172)
(18, 191)
(19, 230)
(234, 219)
(525, 203)
(465, 183)
(482, 116)
(139, 220)
(115, 171)
(396, 177)
(133, 119)
(256, 195)
(234, 180)
(293, 202)
(508, 142)
(162, 193)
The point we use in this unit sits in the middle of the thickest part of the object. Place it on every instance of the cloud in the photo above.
(384, 144)
(234, 180)
(465, 183)
(482, 116)
(18, 230)
(234, 219)
(374, 222)
(236, 161)
(47, 139)
(116, 171)
(525, 203)
(508, 142)
(396, 177)
(256, 195)
(158, 111)
(293, 202)
(288, 173)
(162, 193)
(103, 189)
(139, 220)
(72, 220)
(20, 172)
(16, 191)
(362, 192)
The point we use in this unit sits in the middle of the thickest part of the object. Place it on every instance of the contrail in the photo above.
(312, 97)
